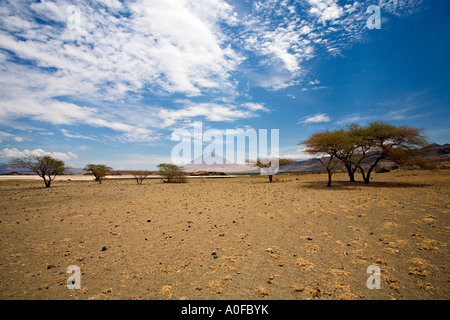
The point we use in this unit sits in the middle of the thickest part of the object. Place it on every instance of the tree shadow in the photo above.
(346, 185)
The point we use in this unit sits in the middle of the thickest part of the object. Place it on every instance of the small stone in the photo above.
(104, 248)
(149, 220)
(309, 238)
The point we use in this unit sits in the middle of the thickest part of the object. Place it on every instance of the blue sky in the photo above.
(109, 81)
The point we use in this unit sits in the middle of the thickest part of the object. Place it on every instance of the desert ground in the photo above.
(238, 238)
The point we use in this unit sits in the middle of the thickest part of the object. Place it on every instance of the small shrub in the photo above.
(172, 173)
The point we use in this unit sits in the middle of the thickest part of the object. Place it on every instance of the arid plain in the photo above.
(234, 238)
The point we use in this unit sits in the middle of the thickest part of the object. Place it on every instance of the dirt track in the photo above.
(239, 238)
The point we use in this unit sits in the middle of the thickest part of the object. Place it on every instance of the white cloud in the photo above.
(154, 45)
(210, 111)
(252, 106)
(125, 50)
(295, 152)
(68, 134)
(8, 136)
(317, 118)
(15, 153)
(325, 10)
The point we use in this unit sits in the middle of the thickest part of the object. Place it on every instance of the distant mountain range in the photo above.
(438, 154)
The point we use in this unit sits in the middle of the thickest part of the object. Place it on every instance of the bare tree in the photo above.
(140, 175)
(44, 166)
(271, 165)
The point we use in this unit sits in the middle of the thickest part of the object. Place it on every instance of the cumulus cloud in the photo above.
(117, 52)
(210, 111)
(101, 72)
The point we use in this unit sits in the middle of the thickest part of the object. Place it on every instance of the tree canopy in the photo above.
(363, 147)
(172, 173)
(98, 170)
(44, 166)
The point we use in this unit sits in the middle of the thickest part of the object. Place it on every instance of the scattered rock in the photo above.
(104, 248)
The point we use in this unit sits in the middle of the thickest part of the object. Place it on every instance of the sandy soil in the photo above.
(81, 177)
(72, 177)
(240, 238)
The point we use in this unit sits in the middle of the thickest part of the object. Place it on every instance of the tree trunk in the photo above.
(363, 174)
(47, 182)
(329, 178)
(367, 177)
(351, 172)
(270, 177)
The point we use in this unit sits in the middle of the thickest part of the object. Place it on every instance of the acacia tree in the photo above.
(387, 142)
(270, 168)
(140, 175)
(172, 173)
(324, 144)
(364, 147)
(98, 170)
(44, 166)
(352, 147)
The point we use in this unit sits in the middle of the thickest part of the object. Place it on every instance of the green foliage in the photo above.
(98, 170)
(362, 148)
(172, 173)
(44, 166)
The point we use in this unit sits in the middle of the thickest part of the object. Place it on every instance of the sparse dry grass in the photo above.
(240, 238)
